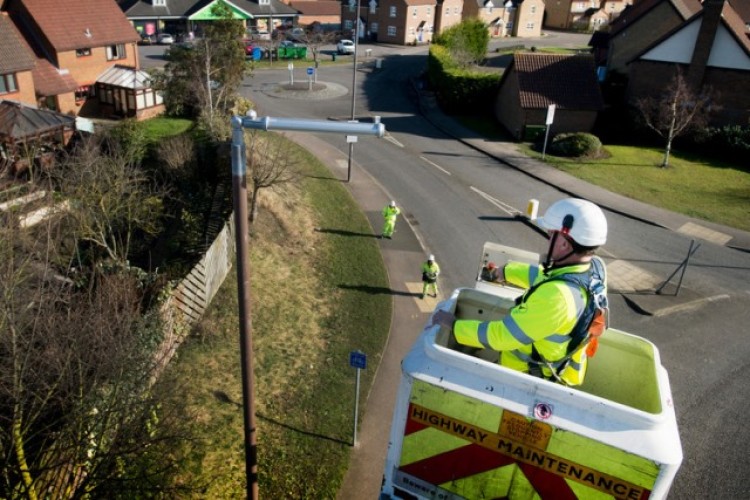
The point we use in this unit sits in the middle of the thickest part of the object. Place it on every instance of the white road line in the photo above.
(499, 204)
(392, 139)
(435, 165)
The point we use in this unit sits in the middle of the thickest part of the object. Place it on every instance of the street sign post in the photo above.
(548, 121)
(358, 360)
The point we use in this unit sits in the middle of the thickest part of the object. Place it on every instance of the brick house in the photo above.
(533, 81)
(73, 41)
(640, 25)
(326, 13)
(16, 64)
(508, 18)
(712, 49)
(400, 22)
(447, 14)
(583, 14)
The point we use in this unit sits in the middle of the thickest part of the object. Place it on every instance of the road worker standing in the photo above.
(390, 213)
(542, 334)
(430, 272)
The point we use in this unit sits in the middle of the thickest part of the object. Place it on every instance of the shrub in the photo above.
(728, 143)
(467, 41)
(460, 90)
(575, 144)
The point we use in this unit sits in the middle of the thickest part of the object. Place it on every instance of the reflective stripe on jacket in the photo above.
(430, 271)
(544, 318)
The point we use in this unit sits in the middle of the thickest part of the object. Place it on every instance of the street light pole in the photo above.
(239, 195)
(354, 86)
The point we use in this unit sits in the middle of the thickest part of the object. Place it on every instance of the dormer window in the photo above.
(160, 3)
(264, 2)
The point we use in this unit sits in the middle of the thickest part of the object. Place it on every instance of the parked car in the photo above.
(165, 39)
(345, 47)
(146, 39)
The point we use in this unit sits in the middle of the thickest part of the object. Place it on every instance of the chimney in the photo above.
(710, 22)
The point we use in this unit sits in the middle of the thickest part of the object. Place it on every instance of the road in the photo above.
(456, 198)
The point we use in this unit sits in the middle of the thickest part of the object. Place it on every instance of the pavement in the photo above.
(405, 253)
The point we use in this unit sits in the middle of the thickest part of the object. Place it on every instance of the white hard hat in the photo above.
(431, 257)
(393, 203)
(582, 220)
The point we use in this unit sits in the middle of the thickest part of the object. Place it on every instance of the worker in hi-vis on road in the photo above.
(390, 213)
(430, 272)
(553, 328)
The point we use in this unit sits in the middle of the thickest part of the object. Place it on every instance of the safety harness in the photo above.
(592, 322)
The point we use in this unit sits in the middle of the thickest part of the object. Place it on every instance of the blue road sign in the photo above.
(358, 359)
(310, 70)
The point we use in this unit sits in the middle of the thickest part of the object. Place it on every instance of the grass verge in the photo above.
(706, 189)
(314, 300)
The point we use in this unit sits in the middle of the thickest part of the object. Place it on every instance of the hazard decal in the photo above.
(512, 457)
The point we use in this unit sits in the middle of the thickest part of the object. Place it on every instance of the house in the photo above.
(583, 14)
(712, 49)
(507, 18)
(639, 25)
(447, 14)
(180, 17)
(16, 64)
(323, 13)
(74, 42)
(400, 22)
(532, 82)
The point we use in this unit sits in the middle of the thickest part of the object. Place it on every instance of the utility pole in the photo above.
(239, 195)
(354, 86)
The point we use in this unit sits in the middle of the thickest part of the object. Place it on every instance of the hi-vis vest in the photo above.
(542, 322)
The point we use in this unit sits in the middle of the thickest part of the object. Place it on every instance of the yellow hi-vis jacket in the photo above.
(390, 213)
(544, 318)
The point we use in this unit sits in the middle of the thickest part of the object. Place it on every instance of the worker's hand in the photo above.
(443, 318)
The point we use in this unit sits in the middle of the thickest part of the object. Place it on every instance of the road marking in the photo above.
(435, 165)
(692, 229)
(426, 305)
(392, 139)
(499, 204)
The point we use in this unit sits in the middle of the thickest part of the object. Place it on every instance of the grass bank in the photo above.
(316, 276)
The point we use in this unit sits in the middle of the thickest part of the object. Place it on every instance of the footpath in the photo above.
(404, 254)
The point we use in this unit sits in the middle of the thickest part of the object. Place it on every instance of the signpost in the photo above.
(290, 67)
(358, 360)
(548, 122)
(310, 72)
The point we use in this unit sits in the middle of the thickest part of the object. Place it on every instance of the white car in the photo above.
(345, 47)
(165, 39)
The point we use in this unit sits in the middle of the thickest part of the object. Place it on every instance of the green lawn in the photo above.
(163, 126)
(710, 190)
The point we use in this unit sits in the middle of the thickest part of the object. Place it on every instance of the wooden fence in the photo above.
(189, 300)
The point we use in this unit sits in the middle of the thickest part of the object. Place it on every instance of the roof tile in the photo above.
(568, 81)
(15, 54)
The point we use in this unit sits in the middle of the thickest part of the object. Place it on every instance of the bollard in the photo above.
(532, 209)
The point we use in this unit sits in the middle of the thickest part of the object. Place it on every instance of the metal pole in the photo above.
(354, 86)
(356, 408)
(239, 195)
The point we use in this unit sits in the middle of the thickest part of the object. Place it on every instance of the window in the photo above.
(83, 93)
(429, 10)
(264, 2)
(83, 52)
(374, 27)
(348, 23)
(509, 26)
(447, 11)
(414, 13)
(8, 83)
(455, 10)
(115, 52)
(160, 3)
(529, 26)
(533, 9)
(391, 31)
(392, 11)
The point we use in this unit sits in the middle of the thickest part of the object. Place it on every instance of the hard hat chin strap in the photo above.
(549, 262)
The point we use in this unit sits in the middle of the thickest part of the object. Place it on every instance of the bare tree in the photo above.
(111, 200)
(679, 109)
(176, 152)
(269, 163)
(315, 40)
(76, 415)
